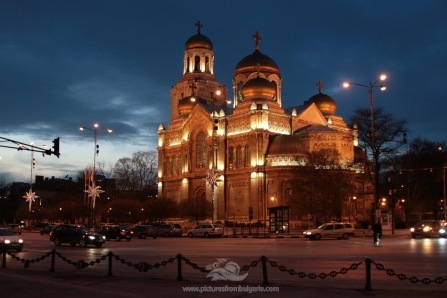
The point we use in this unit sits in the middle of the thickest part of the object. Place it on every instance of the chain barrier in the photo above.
(27, 262)
(143, 266)
(332, 274)
(80, 264)
(412, 279)
(194, 265)
(252, 264)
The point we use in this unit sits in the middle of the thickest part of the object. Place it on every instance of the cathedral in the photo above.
(237, 159)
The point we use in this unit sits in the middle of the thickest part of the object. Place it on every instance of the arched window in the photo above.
(196, 63)
(188, 64)
(247, 156)
(207, 64)
(238, 91)
(201, 150)
(231, 158)
(238, 157)
(179, 165)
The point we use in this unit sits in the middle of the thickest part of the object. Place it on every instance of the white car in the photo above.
(9, 240)
(338, 230)
(206, 230)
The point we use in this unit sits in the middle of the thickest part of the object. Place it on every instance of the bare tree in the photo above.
(388, 140)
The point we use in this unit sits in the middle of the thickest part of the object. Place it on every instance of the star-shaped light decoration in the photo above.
(93, 192)
(212, 178)
(30, 196)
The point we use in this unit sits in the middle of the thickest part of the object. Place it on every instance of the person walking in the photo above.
(377, 230)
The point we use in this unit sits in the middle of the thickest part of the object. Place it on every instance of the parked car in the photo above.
(47, 229)
(338, 230)
(75, 235)
(114, 232)
(9, 240)
(428, 229)
(166, 230)
(206, 230)
(15, 228)
(141, 231)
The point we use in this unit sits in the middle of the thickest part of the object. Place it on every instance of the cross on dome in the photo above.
(257, 39)
(198, 26)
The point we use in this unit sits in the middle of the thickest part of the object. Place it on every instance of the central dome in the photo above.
(187, 104)
(325, 104)
(257, 62)
(199, 41)
(258, 88)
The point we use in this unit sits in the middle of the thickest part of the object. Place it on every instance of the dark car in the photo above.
(9, 240)
(166, 230)
(428, 229)
(47, 229)
(114, 232)
(76, 235)
(141, 231)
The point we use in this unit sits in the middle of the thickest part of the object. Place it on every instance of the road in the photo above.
(421, 258)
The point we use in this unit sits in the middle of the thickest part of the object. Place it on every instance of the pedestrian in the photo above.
(377, 229)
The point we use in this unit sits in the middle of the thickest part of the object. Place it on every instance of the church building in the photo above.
(235, 159)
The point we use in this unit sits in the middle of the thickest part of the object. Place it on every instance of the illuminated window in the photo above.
(247, 156)
(201, 150)
(196, 63)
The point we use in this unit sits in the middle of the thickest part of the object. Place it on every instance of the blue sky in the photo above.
(66, 64)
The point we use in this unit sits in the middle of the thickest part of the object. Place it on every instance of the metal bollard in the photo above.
(368, 286)
(110, 264)
(179, 268)
(265, 282)
(53, 260)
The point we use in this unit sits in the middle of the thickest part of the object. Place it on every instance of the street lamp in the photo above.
(93, 190)
(371, 87)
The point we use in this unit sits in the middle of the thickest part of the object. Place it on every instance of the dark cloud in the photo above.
(65, 64)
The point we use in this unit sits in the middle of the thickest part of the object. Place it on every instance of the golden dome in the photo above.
(187, 104)
(199, 41)
(258, 88)
(325, 104)
(257, 62)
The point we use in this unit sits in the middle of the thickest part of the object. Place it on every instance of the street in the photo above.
(286, 258)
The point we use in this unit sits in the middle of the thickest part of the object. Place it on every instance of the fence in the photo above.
(180, 259)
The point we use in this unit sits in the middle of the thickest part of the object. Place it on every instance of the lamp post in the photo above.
(371, 87)
(93, 190)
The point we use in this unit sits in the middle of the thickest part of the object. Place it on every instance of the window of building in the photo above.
(247, 156)
(231, 157)
(201, 152)
(196, 63)
(238, 157)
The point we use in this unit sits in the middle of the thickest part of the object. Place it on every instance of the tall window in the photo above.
(231, 158)
(207, 64)
(201, 150)
(238, 157)
(196, 63)
(247, 156)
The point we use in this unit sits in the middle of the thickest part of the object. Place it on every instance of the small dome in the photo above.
(187, 104)
(257, 62)
(199, 41)
(325, 103)
(286, 145)
(258, 88)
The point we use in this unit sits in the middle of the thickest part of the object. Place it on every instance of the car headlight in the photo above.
(426, 229)
(104, 237)
(20, 240)
(91, 237)
(7, 241)
(442, 231)
(412, 230)
(307, 233)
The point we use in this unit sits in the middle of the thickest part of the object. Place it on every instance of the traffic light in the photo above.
(97, 149)
(56, 147)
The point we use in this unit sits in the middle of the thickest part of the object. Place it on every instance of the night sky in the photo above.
(66, 64)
